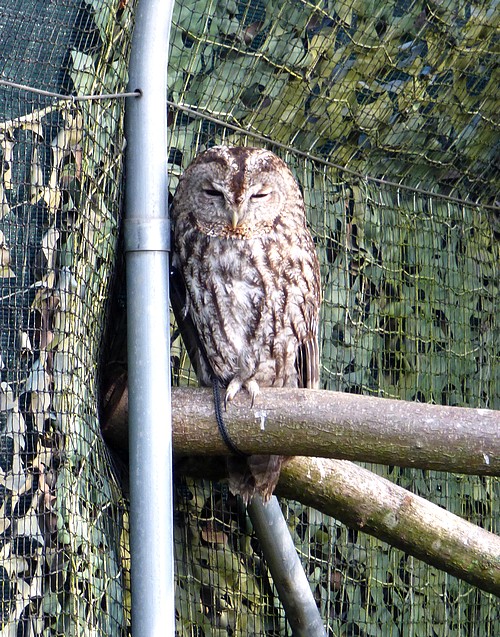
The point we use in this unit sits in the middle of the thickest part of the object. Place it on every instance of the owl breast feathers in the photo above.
(252, 285)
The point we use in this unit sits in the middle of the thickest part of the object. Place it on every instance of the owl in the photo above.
(246, 284)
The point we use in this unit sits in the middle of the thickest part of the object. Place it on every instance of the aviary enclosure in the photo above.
(387, 114)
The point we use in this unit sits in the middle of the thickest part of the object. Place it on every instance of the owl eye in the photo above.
(211, 192)
(261, 195)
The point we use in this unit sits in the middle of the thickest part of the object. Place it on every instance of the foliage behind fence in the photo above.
(60, 198)
(388, 115)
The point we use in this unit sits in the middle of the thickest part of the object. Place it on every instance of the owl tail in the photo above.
(255, 474)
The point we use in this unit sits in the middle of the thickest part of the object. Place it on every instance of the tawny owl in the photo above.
(251, 275)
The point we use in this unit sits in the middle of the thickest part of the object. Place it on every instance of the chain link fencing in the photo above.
(63, 533)
(387, 115)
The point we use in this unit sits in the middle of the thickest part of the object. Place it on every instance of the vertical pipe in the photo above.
(147, 244)
(288, 575)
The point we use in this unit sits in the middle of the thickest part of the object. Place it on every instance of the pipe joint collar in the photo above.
(146, 235)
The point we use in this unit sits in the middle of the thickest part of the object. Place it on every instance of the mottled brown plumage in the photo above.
(247, 260)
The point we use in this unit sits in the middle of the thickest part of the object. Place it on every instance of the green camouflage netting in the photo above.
(388, 116)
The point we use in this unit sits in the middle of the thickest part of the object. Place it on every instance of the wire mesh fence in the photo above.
(60, 195)
(387, 115)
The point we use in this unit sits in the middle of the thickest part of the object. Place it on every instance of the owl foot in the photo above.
(252, 387)
(234, 387)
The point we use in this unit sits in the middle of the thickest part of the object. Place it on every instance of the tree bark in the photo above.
(330, 425)
(374, 505)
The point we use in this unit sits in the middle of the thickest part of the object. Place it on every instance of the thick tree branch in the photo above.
(374, 505)
(333, 425)
(357, 427)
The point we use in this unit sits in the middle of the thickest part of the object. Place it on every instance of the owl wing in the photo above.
(305, 321)
(185, 324)
(307, 362)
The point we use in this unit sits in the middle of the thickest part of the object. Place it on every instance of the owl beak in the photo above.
(237, 210)
(237, 214)
(235, 218)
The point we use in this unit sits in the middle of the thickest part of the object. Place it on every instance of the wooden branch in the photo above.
(364, 501)
(347, 426)
(331, 425)
(350, 426)
(376, 506)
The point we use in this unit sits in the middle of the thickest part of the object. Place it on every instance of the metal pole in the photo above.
(147, 245)
(288, 575)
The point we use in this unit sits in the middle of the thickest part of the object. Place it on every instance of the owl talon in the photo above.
(252, 387)
(232, 389)
(236, 385)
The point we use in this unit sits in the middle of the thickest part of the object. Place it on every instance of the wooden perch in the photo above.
(330, 425)
(348, 426)
(372, 504)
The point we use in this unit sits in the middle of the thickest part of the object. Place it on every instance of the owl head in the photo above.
(236, 192)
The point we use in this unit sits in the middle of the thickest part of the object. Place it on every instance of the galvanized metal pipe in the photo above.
(147, 245)
(288, 575)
